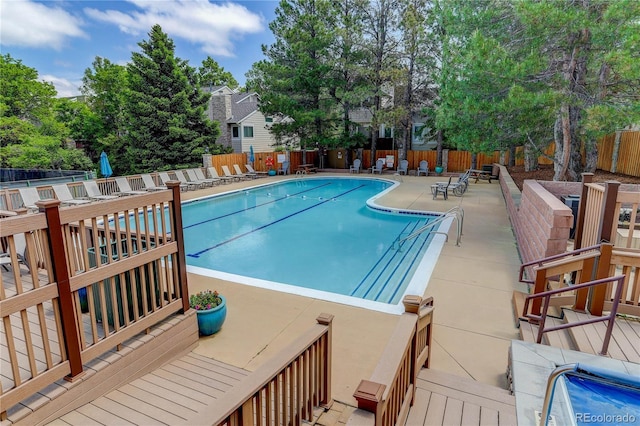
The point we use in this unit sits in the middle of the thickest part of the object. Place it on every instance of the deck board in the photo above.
(445, 399)
(167, 395)
(624, 344)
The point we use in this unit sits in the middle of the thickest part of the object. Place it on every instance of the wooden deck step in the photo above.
(168, 395)
(443, 398)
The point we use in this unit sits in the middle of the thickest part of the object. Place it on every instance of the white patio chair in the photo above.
(378, 167)
(30, 196)
(125, 187)
(164, 178)
(213, 172)
(63, 193)
(149, 184)
(403, 167)
(200, 176)
(423, 167)
(93, 192)
(355, 167)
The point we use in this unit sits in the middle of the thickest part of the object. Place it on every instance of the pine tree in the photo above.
(166, 126)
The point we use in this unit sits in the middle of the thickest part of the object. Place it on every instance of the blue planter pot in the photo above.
(272, 172)
(439, 170)
(211, 320)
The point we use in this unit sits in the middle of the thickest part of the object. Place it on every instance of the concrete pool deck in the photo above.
(471, 285)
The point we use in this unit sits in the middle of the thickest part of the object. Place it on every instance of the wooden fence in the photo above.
(97, 275)
(620, 153)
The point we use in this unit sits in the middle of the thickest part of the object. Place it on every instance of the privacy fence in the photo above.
(617, 153)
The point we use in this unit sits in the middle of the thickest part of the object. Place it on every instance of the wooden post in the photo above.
(327, 320)
(178, 236)
(599, 292)
(61, 275)
(609, 213)
(582, 207)
(369, 397)
(539, 287)
(412, 306)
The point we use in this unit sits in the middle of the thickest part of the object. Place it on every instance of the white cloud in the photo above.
(64, 87)
(29, 24)
(211, 25)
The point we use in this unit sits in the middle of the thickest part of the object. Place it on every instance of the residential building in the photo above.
(242, 124)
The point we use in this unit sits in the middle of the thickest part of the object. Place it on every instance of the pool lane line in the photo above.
(197, 254)
(275, 200)
(380, 261)
(413, 261)
(392, 264)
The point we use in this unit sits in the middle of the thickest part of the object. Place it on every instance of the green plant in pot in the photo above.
(211, 309)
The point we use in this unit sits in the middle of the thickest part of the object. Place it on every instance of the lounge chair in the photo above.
(30, 196)
(378, 167)
(20, 247)
(423, 167)
(65, 196)
(227, 173)
(191, 175)
(184, 180)
(125, 187)
(164, 178)
(441, 188)
(355, 167)
(149, 184)
(460, 187)
(403, 167)
(200, 176)
(93, 192)
(213, 172)
(239, 172)
(251, 171)
(284, 168)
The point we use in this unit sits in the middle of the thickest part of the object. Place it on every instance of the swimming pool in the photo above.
(320, 237)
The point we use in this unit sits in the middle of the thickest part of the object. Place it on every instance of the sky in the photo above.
(62, 38)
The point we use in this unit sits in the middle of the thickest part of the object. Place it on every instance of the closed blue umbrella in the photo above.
(105, 167)
(251, 157)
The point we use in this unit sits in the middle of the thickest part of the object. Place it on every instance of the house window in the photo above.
(268, 119)
(234, 132)
(388, 132)
(247, 131)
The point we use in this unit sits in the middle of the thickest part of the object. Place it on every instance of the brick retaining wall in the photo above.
(540, 221)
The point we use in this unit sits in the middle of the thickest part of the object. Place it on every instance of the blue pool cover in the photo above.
(612, 401)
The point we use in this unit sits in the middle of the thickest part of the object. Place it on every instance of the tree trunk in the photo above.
(512, 155)
(530, 158)
(439, 139)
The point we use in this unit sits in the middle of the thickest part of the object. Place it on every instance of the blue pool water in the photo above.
(595, 402)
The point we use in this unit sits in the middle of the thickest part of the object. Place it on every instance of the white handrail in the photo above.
(456, 212)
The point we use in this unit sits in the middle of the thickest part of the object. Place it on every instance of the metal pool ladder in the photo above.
(455, 212)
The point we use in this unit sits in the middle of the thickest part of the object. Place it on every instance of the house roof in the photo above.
(242, 107)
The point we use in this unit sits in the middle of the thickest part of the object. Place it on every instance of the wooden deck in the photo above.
(445, 399)
(168, 395)
(624, 344)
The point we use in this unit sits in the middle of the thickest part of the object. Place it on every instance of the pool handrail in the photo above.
(577, 369)
(547, 298)
(455, 212)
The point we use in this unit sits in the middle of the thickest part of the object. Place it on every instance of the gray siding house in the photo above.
(242, 125)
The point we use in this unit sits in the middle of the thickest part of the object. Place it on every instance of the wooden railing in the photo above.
(626, 262)
(96, 275)
(597, 262)
(284, 390)
(390, 391)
